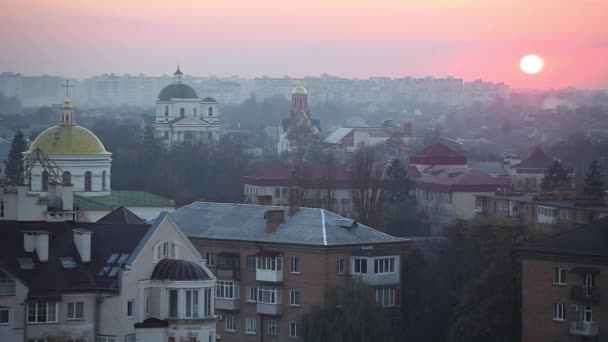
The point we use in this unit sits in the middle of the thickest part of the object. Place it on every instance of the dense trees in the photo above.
(14, 165)
(556, 177)
(594, 181)
(350, 314)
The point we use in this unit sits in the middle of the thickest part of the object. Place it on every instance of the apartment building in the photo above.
(564, 286)
(108, 282)
(274, 263)
(543, 210)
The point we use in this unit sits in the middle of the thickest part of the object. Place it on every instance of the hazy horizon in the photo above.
(352, 39)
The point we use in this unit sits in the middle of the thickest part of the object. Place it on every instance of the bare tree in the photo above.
(367, 191)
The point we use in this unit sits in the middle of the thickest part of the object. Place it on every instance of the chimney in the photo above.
(38, 242)
(274, 218)
(82, 240)
(265, 200)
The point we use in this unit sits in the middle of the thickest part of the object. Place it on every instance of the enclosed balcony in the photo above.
(227, 294)
(270, 300)
(376, 270)
(583, 328)
(269, 267)
(586, 294)
(228, 266)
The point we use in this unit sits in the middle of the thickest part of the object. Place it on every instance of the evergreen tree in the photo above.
(396, 184)
(556, 177)
(594, 181)
(350, 314)
(14, 164)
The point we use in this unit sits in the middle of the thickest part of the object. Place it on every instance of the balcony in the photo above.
(584, 328)
(586, 294)
(270, 309)
(378, 279)
(228, 272)
(269, 275)
(227, 304)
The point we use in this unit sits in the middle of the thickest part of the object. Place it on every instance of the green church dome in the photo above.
(68, 139)
(177, 91)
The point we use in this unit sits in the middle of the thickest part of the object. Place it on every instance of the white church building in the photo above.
(181, 116)
(299, 117)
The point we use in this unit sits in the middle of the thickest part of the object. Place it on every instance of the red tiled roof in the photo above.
(459, 179)
(438, 154)
(283, 176)
(536, 160)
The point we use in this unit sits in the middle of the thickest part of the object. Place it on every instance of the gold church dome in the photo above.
(68, 139)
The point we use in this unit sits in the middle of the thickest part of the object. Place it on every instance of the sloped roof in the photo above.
(536, 160)
(339, 134)
(50, 279)
(497, 168)
(119, 198)
(282, 175)
(308, 226)
(458, 179)
(178, 270)
(121, 215)
(590, 240)
(438, 154)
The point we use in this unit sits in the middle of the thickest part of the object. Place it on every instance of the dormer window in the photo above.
(67, 262)
(166, 250)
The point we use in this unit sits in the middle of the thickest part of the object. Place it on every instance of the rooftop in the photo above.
(568, 204)
(457, 179)
(121, 215)
(536, 160)
(178, 270)
(308, 226)
(438, 154)
(284, 175)
(119, 198)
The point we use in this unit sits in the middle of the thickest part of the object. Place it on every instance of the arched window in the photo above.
(87, 181)
(210, 111)
(103, 180)
(166, 110)
(45, 181)
(67, 178)
(1, 208)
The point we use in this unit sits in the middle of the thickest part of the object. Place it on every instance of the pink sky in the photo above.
(355, 38)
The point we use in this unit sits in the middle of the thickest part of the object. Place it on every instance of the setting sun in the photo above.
(531, 64)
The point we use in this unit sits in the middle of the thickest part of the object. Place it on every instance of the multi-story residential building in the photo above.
(312, 185)
(273, 264)
(564, 286)
(112, 281)
(543, 210)
(527, 175)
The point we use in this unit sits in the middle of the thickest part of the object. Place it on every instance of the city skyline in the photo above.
(354, 39)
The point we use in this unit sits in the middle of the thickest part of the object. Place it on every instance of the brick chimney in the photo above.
(265, 200)
(274, 218)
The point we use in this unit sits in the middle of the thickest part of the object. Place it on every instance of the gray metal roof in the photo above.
(308, 226)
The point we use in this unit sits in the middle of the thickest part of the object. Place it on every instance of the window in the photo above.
(107, 339)
(5, 316)
(208, 256)
(277, 192)
(45, 181)
(252, 295)
(250, 326)
(210, 111)
(103, 181)
(227, 289)
(340, 266)
(587, 315)
(251, 263)
(295, 265)
(76, 310)
(26, 263)
(210, 135)
(270, 263)
(182, 112)
(166, 110)
(294, 297)
(87, 181)
(42, 312)
(284, 192)
(272, 327)
(559, 276)
(7, 284)
(172, 303)
(191, 303)
(166, 135)
(385, 296)
(66, 178)
(294, 329)
(384, 265)
(559, 312)
(229, 323)
(194, 112)
(68, 262)
(270, 295)
(207, 303)
(360, 265)
(130, 304)
(130, 338)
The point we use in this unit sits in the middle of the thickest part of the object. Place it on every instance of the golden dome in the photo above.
(67, 104)
(68, 139)
(299, 90)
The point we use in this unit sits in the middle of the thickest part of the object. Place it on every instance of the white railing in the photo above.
(583, 328)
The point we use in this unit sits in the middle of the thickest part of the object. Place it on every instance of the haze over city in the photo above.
(460, 38)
